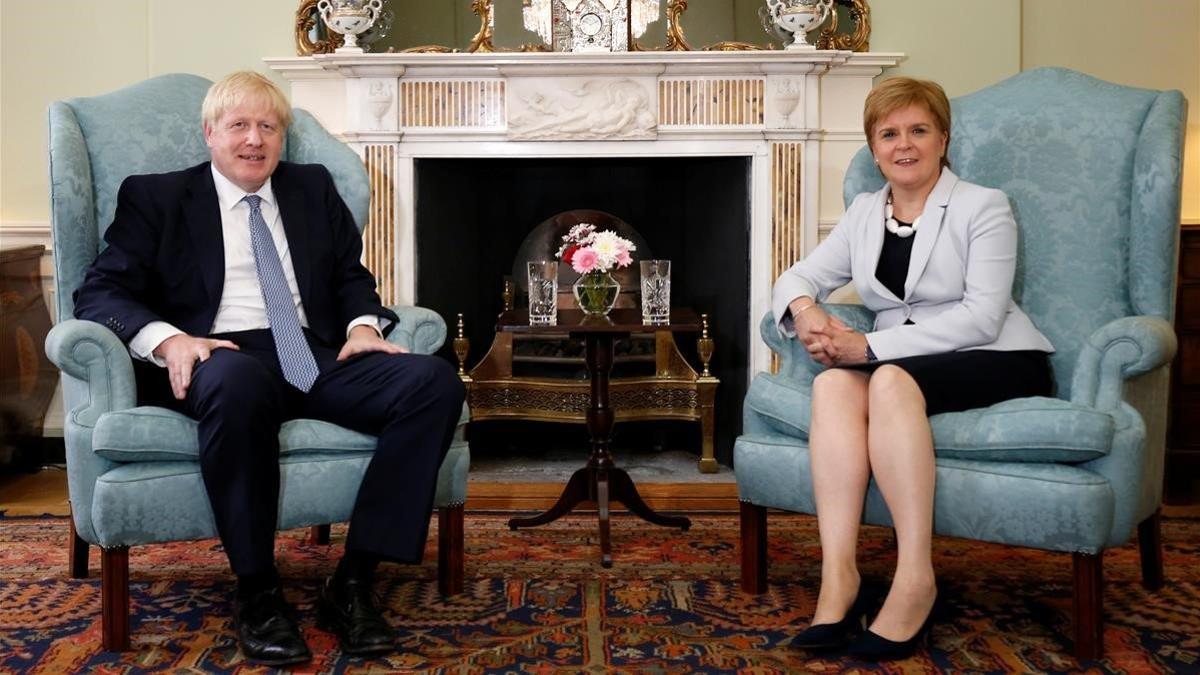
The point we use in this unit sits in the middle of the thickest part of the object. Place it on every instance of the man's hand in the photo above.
(363, 339)
(181, 352)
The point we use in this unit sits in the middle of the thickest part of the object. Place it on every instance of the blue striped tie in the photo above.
(295, 356)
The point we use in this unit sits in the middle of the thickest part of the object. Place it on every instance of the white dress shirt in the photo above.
(242, 306)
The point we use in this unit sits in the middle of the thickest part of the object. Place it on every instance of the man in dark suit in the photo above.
(238, 286)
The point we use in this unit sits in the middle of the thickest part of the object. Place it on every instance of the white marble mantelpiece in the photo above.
(797, 116)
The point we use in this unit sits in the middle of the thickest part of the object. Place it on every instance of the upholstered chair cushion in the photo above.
(1030, 504)
(1037, 429)
(153, 434)
(146, 502)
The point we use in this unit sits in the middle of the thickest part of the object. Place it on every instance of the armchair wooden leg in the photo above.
(114, 598)
(1088, 605)
(450, 550)
(754, 547)
(1150, 545)
(77, 552)
(318, 534)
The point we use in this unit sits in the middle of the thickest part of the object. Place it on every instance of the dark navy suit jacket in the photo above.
(165, 259)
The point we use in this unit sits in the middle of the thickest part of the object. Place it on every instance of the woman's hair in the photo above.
(898, 93)
(245, 86)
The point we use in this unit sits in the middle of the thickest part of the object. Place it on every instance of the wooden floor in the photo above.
(34, 494)
(660, 496)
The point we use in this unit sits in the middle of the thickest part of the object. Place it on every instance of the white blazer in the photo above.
(958, 292)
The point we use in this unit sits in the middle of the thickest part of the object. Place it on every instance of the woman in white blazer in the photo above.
(934, 257)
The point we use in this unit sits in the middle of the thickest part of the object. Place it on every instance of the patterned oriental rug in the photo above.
(537, 601)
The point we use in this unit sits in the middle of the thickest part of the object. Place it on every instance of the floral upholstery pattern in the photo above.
(1093, 172)
(132, 472)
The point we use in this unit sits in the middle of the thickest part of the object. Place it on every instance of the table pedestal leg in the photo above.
(600, 481)
(622, 489)
(602, 510)
(579, 489)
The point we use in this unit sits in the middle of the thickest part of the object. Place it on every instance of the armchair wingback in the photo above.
(132, 472)
(1093, 172)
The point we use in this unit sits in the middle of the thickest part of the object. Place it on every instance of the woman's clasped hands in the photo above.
(829, 341)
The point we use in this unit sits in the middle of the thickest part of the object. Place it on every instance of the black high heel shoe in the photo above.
(829, 636)
(871, 646)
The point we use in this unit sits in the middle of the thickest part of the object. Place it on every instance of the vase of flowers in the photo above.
(594, 255)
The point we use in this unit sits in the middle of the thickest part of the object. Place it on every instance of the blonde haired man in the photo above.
(237, 285)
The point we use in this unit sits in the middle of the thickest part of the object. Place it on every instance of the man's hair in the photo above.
(898, 93)
(245, 86)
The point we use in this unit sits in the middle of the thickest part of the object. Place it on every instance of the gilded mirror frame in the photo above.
(857, 40)
(482, 41)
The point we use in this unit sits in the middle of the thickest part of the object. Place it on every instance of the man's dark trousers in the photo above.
(411, 402)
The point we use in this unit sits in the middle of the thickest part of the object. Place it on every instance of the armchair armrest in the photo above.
(794, 362)
(1117, 351)
(97, 376)
(1117, 361)
(96, 357)
(419, 329)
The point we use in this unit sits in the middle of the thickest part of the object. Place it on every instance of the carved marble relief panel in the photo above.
(602, 108)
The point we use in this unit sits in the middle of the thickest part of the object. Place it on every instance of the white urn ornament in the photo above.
(349, 18)
(794, 19)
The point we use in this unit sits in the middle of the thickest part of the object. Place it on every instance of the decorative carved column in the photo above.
(787, 173)
(787, 209)
(379, 235)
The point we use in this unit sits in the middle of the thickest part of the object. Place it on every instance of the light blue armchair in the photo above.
(1093, 173)
(132, 471)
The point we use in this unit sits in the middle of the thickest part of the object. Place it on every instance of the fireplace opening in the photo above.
(472, 215)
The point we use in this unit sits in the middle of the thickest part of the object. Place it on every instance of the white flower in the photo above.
(581, 233)
(606, 245)
(596, 251)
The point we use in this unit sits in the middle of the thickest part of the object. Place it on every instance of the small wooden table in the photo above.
(600, 481)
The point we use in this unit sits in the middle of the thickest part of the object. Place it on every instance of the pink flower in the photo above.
(584, 260)
(623, 258)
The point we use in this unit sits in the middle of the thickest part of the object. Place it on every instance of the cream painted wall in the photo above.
(95, 47)
(1157, 47)
(964, 44)
(32, 74)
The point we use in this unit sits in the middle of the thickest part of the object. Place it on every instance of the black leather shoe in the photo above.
(829, 636)
(266, 632)
(347, 609)
(872, 646)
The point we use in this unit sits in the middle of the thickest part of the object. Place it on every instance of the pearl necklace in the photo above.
(889, 221)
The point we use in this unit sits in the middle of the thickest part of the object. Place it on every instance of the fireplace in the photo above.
(691, 210)
(663, 140)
